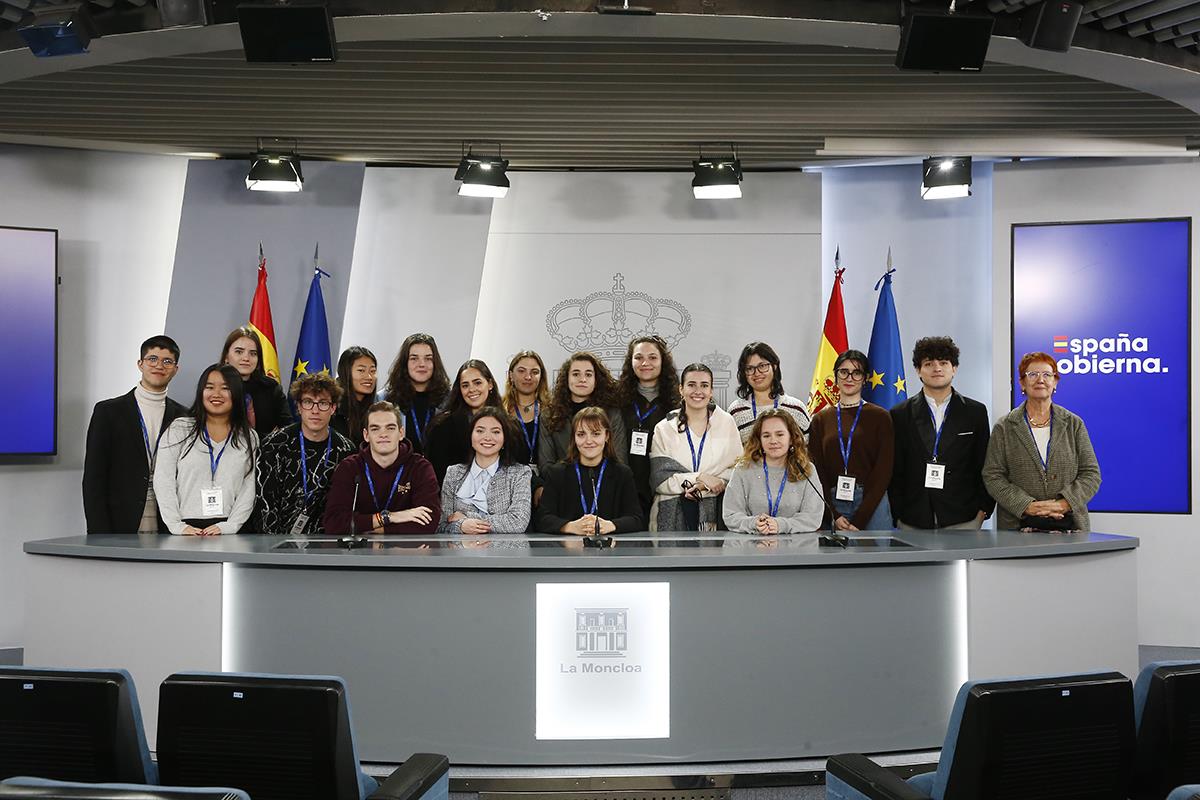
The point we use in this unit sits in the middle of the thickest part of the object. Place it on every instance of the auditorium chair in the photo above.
(72, 725)
(1191, 792)
(40, 789)
(1069, 737)
(278, 737)
(1166, 698)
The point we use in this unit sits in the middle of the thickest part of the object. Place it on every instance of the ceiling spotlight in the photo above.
(273, 170)
(60, 30)
(943, 178)
(717, 178)
(482, 176)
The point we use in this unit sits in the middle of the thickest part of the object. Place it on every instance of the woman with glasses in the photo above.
(760, 387)
(1040, 464)
(853, 446)
(357, 374)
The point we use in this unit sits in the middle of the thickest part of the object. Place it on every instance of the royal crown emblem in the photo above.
(604, 322)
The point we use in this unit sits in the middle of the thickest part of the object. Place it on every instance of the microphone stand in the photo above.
(353, 539)
(596, 539)
(834, 538)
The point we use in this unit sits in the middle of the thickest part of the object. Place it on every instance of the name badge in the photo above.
(935, 476)
(212, 502)
(845, 487)
(300, 524)
(639, 443)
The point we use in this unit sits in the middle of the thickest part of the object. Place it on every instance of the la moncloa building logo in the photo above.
(601, 632)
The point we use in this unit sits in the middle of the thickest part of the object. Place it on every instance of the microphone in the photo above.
(354, 508)
(596, 539)
(596, 504)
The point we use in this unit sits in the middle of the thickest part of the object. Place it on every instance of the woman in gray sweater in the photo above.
(204, 478)
(1040, 465)
(774, 487)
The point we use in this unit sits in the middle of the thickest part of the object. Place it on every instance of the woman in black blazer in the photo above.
(266, 406)
(591, 492)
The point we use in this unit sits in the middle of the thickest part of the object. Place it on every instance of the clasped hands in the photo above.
(211, 530)
(704, 484)
(586, 526)
(1055, 509)
(766, 524)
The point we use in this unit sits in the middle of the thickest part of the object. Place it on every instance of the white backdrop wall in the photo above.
(118, 218)
(418, 257)
(1063, 191)
(587, 261)
(942, 254)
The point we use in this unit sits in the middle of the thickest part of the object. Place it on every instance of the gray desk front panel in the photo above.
(765, 663)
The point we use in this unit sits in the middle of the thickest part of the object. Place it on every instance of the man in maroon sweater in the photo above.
(397, 489)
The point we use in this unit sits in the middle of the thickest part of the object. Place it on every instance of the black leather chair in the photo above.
(1167, 710)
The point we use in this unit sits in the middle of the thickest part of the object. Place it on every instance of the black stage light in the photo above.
(61, 30)
(717, 178)
(272, 170)
(944, 178)
(290, 33)
(482, 176)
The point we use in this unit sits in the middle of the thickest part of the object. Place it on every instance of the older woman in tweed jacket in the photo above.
(1040, 459)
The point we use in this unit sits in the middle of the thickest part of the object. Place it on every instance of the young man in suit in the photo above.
(122, 443)
(941, 442)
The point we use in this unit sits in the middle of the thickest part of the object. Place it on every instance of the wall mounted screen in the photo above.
(1110, 301)
(28, 339)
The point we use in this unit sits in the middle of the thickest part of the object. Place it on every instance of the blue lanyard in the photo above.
(641, 418)
(773, 510)
(844, 446)
(371, 483)
(304, 463)
(696, 455)
(214, 463)
(599, 482)
(420, 429)
(150, 454)
(531, 441)
(754, 405)
(937, 431)
(1045, 461)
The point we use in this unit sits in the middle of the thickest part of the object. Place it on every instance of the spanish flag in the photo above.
(260, 320)
(834, 342)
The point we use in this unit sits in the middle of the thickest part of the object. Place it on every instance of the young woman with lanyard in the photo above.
(582, 381)
(774, 487)
(526, 395)
(853, 446)
(591, 492)
(417, 384)
(449, 440)
(649, 389)
(489, 493)
(760, 386)
(691, 458)
(357, 373)
(204, 478)
(266, 407)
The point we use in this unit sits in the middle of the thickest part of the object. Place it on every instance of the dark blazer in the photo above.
(115, 473)
(560, 498)
(448, 442)
(962, 449)
(271, 409)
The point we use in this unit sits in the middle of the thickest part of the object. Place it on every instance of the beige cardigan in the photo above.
(1012, 471)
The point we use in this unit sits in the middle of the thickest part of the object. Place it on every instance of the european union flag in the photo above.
(885, 384)
(312, 351)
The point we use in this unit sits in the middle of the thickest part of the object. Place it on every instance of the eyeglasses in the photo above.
(308, 404)
(1033, 376)
(155, 361)
(854, 375)
(759, 369)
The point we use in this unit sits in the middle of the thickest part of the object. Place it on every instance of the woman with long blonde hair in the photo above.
(774, 487)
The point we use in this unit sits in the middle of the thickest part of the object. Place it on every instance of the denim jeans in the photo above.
(881, 520)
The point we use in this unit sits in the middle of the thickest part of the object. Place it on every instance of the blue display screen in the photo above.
(1111, 302)
(28, 334)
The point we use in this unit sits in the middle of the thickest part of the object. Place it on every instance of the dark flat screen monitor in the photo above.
(29, 339)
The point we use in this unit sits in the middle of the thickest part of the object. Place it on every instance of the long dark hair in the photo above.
(695, 366)
(603, 396)
(668, 382)
(400, 390)
(239, 425)
(506, 425)
(766, 353)
(594, 417)
(457, 404)
(356, 410)
(245, 332)
(510, 390)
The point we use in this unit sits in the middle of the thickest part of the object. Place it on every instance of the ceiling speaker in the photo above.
(939, 42)
(292, 33)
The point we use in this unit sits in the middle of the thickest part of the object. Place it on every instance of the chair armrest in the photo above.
(414, 778)
(864, 776)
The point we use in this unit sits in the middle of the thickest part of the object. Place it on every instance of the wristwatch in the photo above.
(385, 517)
